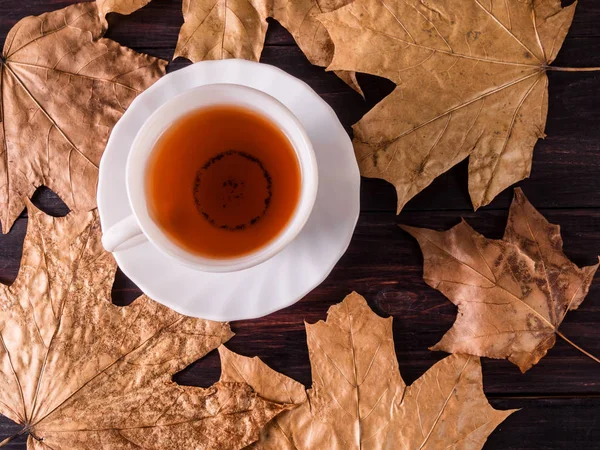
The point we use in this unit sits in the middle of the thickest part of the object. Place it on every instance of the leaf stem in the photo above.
(573, 69)
(577, 347)
(13, 437)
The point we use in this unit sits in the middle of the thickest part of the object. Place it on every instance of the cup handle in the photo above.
(126, 231)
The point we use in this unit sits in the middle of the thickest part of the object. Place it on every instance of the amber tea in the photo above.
(223, 182)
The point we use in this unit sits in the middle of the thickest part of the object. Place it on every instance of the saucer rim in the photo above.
(272, 307)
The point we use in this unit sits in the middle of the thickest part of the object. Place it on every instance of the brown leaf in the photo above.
(512, 294)
(471, 79)
(63, 88)
(222, 29)
(359, 400)
(124, 7)
(81, 373)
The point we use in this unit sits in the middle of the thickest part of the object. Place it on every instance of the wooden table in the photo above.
(560, 396)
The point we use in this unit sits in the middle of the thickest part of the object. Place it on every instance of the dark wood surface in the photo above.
(560, 396)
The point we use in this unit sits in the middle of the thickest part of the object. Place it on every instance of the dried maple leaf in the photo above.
(119, 6)
(62, 90)
(512, 294)
(471, 79)
(81, 373)
(358, 399)
(221, 29)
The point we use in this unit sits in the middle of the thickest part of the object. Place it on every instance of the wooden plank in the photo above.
(158, 23)
(385, 265)
(571, 147)
(548, 424)
(571, 150)
(8, 428)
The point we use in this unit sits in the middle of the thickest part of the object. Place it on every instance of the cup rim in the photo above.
(207, 96)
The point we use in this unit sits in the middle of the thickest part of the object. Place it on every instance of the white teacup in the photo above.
(140, 226)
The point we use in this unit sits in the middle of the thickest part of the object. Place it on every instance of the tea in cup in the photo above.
(220, 178)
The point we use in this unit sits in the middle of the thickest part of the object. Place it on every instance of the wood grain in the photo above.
(560, 396)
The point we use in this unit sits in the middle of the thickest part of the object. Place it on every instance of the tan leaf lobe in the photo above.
(513, 306)
(358, 399)
(471, 83)
(223, 29)
(81, 373)
(62, 88)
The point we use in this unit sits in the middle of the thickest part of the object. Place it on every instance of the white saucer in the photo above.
(290, 275)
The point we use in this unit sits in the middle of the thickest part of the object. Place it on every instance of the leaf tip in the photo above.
(32, 210)
(226, 332)
(224, 352)
(436, 348)
(354, 299)
(518, 193)
(410, 230)
(415, 232)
